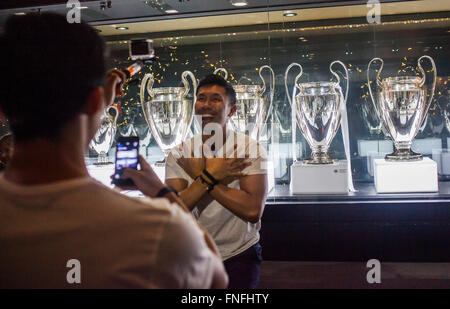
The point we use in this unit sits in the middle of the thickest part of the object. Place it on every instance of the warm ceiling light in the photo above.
(20, 13)
(239, 2)
(290, 14)
(122, 28)
(171, 11)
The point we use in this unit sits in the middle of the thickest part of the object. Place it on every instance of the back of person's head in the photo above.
(50, 67)
(214, 79)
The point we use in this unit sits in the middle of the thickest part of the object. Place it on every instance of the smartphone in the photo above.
(127, 151)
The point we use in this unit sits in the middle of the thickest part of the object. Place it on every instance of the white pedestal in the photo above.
(270, 174)
(442, 158)
(160, 170)
(102, 173)
(401, 177)
(368, 147)
(319, 179)
(426, 145)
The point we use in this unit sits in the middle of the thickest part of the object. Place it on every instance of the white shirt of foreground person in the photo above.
(231, 234)
(120, 242)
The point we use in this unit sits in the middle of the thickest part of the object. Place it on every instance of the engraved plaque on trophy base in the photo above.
(403, 177)
(319, 179)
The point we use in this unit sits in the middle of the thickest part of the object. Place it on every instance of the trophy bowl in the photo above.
(169, 112)
(318, 109)
(249, 110)
(104, 138)
(402, 107)
(251, 114)
(318, 115)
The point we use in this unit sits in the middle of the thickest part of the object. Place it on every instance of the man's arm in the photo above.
(247, 202)
(190, 195)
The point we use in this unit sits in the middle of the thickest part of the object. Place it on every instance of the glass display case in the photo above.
(381, 98)
(312, 36)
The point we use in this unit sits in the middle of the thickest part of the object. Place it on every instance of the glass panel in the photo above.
(400, 40)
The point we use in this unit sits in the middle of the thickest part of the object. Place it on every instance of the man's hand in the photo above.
(192, 166)
(113, 85)
(145, 179)
(221, 168)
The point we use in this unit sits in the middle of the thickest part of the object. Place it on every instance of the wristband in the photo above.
(208, 185)
(165, 190)
(213, 180)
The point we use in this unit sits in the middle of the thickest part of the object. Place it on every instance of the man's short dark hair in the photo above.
(50, 66)
(214, 79)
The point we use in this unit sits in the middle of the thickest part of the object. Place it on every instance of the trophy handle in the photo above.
(338, 78)
(224, 71)
(296, 79)
(378, 82)
(272, 87)
(149, 86)
(422, 82)
(146, 86)
(184, 77)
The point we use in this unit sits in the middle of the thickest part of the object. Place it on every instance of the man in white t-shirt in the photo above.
(222, 179)
(59, 228)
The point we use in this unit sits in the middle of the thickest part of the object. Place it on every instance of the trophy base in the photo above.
(403, 155)
(404, 177)
(103, 163)
(319, 179)
(319, 158)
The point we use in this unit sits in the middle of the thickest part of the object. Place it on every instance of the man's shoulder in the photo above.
(113, 198)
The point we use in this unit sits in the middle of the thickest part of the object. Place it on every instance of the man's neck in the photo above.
(43, 161)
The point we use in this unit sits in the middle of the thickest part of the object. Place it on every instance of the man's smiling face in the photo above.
(213, 105)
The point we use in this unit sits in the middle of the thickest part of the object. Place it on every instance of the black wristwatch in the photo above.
(211, 177)
(165, 190)
(209, 186)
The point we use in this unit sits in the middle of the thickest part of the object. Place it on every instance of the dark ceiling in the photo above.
(145, 10)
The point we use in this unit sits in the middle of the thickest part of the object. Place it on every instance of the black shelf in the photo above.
(366, 192)
(358, 226)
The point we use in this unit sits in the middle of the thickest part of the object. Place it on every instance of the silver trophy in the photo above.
(371, 119)
(251, 114)
(317, 108)
(445, 107)
(402, 105)
(168, 112)
(104, 138)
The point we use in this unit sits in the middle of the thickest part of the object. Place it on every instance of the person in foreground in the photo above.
(226, 186)
(59, 228)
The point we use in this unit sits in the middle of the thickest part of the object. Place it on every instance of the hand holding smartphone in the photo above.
(127, 152)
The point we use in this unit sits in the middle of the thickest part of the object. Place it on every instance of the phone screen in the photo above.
(126, 156)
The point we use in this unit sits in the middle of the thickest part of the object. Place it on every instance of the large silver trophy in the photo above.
(104, 138)
(402, 105)
(251, 114)
(446, 109)
(168, 112)
(317, 108)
